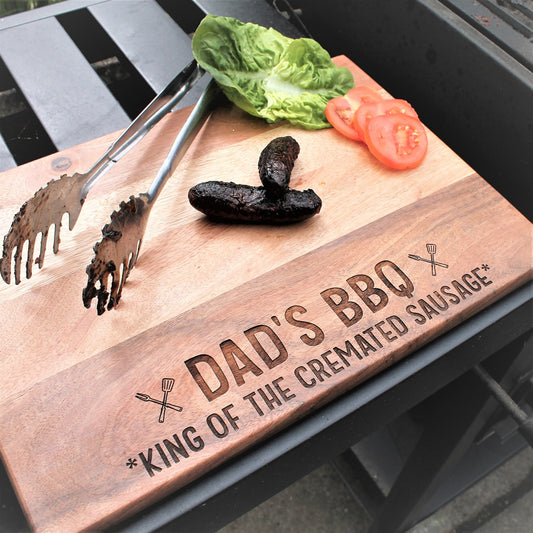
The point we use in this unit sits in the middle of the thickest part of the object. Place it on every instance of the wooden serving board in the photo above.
(256, 325)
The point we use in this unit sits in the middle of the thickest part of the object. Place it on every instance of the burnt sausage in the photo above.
(228, 201)
(276, 163)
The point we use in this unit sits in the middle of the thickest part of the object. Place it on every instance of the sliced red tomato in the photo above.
(368, 111)
(397, 140)
(340, 110)
(362, 94)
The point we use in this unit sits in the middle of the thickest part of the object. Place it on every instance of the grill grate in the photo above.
(508, 23)
(22, 132)
(129, 88)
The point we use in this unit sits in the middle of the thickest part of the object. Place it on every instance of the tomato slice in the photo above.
(390, 127)
(368, 111)
(340, 110)
(362, 94)
(398, 140)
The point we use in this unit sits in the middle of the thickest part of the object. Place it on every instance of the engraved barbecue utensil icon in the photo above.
(147, 398)
(166, 385)
(432, 250)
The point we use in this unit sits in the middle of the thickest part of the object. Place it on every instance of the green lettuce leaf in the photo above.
(267, 74)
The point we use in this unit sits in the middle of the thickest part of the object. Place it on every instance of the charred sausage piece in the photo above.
(228, 201)
(276, 163)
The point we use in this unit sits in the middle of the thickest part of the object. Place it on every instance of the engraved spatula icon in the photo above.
(432, 250)
(166, 385)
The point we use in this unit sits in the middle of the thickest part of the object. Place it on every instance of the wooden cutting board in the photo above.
(255, 325)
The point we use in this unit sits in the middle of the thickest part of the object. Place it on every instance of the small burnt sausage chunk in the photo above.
(231, 202)
(276, 163)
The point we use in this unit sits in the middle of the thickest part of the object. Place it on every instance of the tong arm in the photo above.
(162, 104)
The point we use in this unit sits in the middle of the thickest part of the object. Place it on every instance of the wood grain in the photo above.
(267, 302)
(327, 163)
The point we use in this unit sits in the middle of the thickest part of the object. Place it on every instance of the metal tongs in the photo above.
(116, 254)
(67, 193)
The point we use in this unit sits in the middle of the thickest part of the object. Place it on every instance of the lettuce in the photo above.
(267, 74)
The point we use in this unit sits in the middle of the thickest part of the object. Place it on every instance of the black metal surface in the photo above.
(257, 11)
(508, 23)
(127, 84)
(468, 90)
(525, 422)
(453, 418)
(134, 49)
(480, 460)
(461, 80)
(64, 92)
(359, 481)
(385, 452)
(485, 455)
(18, 124)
